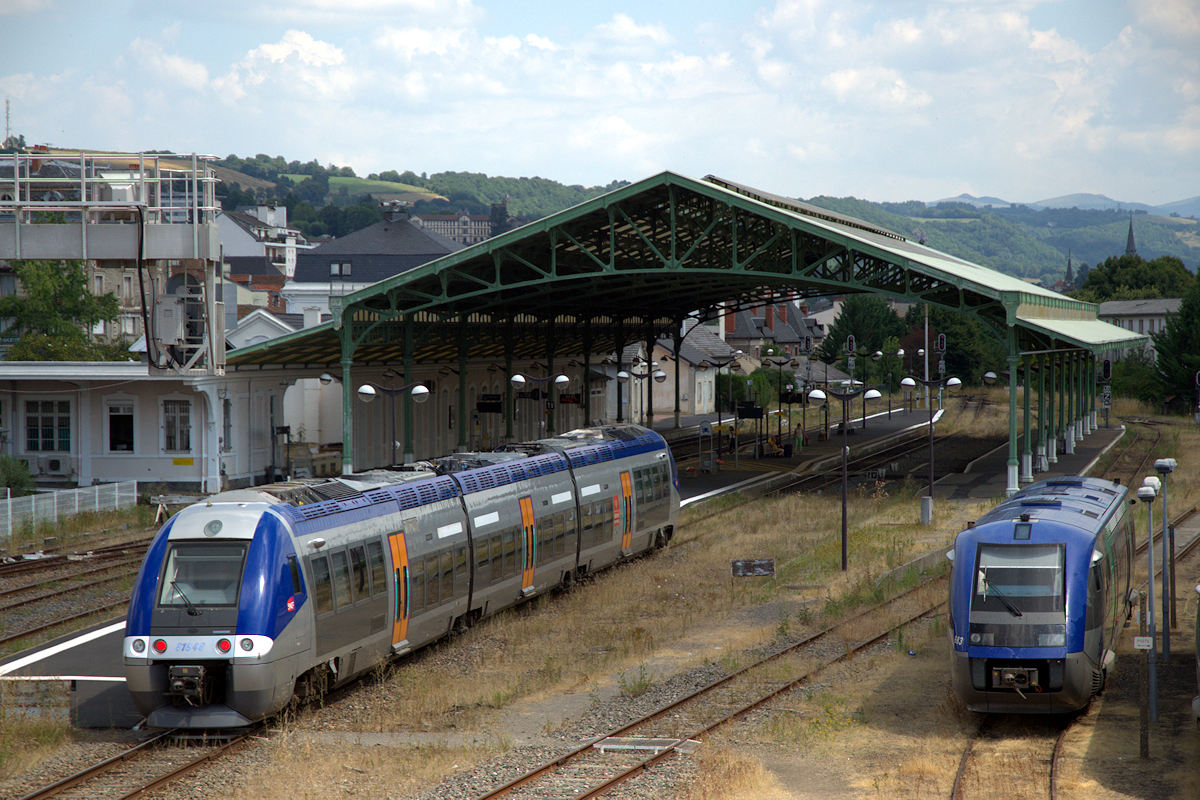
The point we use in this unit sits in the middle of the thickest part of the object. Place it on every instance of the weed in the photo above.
(637, 686)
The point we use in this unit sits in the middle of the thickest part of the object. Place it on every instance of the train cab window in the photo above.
(377, 567)
(341, 579)
(1029, 577)
(202, 574)
(323, 592)
(294, 570)
(358, 573)
(1018, 596)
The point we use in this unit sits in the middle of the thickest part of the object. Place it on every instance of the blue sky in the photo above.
(1022, 99)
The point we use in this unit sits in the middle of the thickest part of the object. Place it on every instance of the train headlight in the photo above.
(139, 645)
(246, 644)
(223, 645)
(160, 646)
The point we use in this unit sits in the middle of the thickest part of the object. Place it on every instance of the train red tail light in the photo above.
(223, 645)
(160, 646)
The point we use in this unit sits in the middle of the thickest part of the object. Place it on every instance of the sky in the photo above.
(891, 100)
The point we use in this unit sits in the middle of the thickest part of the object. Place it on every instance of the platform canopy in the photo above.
(632, 264)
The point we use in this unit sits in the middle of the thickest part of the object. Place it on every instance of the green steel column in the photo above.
(550, 404)
(347, 401)
(1052, 411)
(649, 380)
(677, 343)
(463, 421)
(408, 409)
(509, 407)
(1041, 414)
(1027, 443)
(1012, 483)
(585, 379)
(620, 345)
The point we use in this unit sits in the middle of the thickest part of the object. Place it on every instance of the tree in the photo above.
(54, 316)
(15, 475)
(1178, 348)
(1129, 277)
(869, 319)
(971, 349)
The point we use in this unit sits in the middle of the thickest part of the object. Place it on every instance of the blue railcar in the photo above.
(253, 597)
(1039, 588)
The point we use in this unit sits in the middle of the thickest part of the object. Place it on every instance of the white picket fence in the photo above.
(54, 505)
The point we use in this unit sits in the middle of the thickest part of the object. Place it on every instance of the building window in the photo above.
(120, 427)
(127, 280)
(226, 425)
(128, 324)
(339, 269)
(99, 283)
(48, 426)
(177, 426)
(1141, 322)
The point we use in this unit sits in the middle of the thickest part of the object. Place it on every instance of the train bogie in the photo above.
(1039, 587)
(247, 598)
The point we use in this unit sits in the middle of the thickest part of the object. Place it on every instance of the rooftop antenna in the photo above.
(7, 121)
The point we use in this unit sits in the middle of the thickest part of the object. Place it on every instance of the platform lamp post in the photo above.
(418, 391)
(1146, 493)
(520, 380)
(658, 375)
(847, 398)
(1164, 467)
(719, 363)
(780, 362)
(889, 371)
(911, 382)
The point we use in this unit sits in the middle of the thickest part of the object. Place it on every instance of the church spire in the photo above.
(1069, 278)
(1130, 247)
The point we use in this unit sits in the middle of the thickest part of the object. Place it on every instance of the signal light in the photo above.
(223, 645)
(160, 646)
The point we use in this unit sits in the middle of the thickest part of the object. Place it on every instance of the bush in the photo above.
(15, 475)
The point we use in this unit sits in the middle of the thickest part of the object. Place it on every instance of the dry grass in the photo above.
(307, 771)
(79, 529)
(27, 735)
(725, 774)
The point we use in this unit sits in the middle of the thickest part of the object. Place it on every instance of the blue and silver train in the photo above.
(1039, 589)
(256, 596)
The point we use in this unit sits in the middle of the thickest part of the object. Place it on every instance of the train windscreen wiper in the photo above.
(191, 609)
(1003, 598)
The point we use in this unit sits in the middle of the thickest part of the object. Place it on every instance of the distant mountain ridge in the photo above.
(1082, 200)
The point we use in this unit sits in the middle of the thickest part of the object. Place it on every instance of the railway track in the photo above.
(150, 765)
(602, 764)
(1023, 754)
(1018, 756)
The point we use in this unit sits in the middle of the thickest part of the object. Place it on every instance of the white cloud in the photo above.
(172, 69)
(1175, 19)
(410, 43)
(303, 46)
(876, 86)
(623, 30)
(23, 6)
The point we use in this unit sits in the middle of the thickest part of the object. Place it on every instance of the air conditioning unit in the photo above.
(55, 465)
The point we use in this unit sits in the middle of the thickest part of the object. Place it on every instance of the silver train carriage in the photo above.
(254, 596)
(1038, 589)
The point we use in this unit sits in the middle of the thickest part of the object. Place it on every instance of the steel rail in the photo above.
(98, 768)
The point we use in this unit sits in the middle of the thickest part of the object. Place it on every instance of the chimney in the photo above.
(395, 210)
(312, 316)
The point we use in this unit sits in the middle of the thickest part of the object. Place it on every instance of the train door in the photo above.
(624, 513)
(401, 591)
(529, 533)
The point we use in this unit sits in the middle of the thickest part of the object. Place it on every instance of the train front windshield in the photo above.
(1017, 599)
(202, 574)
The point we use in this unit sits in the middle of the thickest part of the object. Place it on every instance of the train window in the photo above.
(510, 552)
(1022, 530)
(417, 586)
(447, 590)
(294, 569)
(324, 587)
(433, 594)
(340, 567)
(378, 568)
(202, 574)
(460, 570)
(358, 573)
